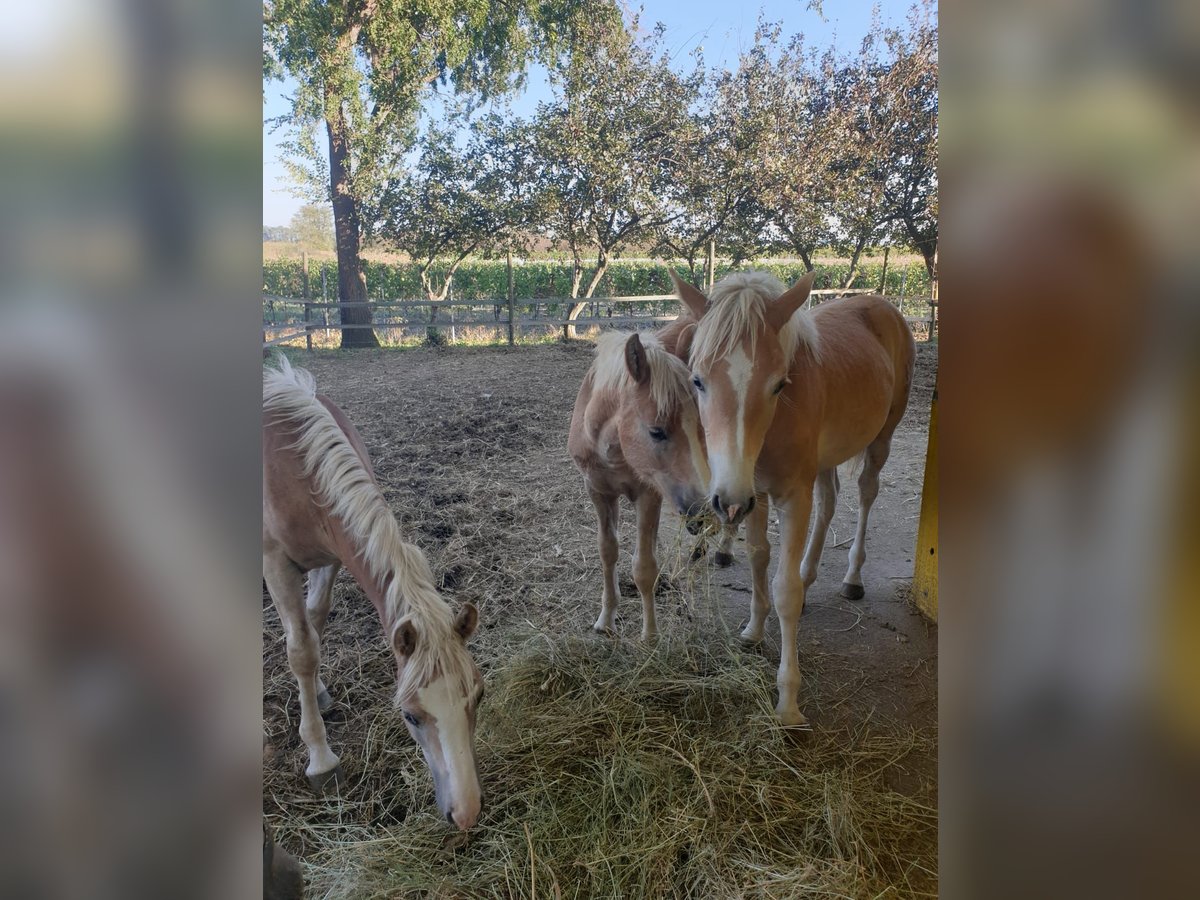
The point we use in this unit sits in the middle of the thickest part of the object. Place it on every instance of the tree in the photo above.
(312, 226)
(362, 68)
(784, 101)
(911, 183)
(606, 145)
(719, 172)
(456, 202)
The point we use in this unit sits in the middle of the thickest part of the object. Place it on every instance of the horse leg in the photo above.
(606, 513)
(320, 595)
(285, 583)
(759, 551)
(868, 489)
(789, 601)
(645, 564)
(826, 499)
(724, 555)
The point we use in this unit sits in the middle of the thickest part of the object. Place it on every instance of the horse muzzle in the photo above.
(732, 513)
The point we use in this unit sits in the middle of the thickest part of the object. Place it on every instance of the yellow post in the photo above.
(925, 564)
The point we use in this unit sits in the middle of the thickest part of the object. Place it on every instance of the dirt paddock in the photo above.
(469, 445)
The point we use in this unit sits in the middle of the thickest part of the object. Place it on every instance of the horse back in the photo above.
(292, 516)
(870, 324)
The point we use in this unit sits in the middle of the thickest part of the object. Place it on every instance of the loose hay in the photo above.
(614, 770)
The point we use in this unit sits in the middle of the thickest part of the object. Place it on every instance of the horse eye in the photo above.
(779, 388)
(411, 719)
(698, 383)
(658, 434)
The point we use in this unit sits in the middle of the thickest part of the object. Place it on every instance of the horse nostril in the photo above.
(716, 502)
(750, 505)
(450, 817)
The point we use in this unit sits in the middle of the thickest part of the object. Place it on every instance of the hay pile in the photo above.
(615, 770)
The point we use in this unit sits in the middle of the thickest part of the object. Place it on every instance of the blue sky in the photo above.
(723, 28)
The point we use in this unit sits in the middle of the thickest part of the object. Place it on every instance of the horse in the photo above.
(785, 395)
(635, 432)
(323, 509)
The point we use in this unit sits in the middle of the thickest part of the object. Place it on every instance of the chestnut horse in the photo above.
(323, 509)
(635, 433)
(786, 394)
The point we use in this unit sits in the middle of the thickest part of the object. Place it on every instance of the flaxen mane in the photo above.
(347, 490)
(737, 307)
(670, 379)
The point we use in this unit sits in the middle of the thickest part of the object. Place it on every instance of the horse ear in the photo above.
(635, 360)
(782, 307)
(683, 344)
(692, 298)
(466, 620)
(404, 637)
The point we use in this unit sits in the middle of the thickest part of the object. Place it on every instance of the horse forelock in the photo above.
(737, 313)
(347, 490)
(670, 378)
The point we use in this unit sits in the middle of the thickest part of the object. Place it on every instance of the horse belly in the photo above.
(838, 444)
(849, 426)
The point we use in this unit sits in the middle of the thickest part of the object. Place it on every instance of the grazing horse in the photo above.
(785, 395)
(323, 509)
(635, 432)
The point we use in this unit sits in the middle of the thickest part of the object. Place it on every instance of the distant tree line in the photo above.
(793, 150)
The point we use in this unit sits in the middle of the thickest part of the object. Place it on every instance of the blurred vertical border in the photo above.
(130, 649)
(1070, 615)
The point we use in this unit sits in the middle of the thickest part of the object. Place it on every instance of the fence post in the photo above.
(511, 337)
(712, 262)
(307, 301)
(304, 273)
(883, 274)
(325, 303)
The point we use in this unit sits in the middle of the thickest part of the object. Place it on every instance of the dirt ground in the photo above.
(470, 447)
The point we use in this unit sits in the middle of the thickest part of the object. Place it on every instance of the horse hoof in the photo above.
(750, 639)
(792, 718)
(698, 552)
(852, 591)
(328, 782)
(324, 702)
(723, 560)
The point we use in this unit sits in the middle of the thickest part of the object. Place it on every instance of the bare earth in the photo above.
(470, 447)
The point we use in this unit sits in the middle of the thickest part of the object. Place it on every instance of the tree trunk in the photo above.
(858, 249)
(601, 268)
(352, 280)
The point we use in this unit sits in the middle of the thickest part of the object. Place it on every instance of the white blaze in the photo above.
(728, 460)
(448, 709)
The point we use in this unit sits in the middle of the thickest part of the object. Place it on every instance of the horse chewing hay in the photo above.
(785, 395)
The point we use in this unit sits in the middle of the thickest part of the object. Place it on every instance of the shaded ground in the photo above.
(470, 447)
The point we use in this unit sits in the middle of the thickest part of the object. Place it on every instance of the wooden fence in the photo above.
(442, 315)
(302, 316)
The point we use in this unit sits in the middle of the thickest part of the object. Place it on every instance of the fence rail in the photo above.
(299, 314)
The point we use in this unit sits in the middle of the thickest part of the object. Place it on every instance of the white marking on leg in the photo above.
(826, 497)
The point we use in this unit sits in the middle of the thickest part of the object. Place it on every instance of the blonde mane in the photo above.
(346, 489)
(670, 378)
(737, 308)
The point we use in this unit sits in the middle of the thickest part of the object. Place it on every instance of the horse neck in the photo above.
(355, 562)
